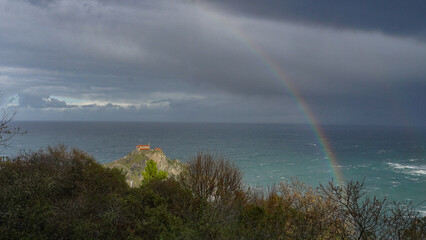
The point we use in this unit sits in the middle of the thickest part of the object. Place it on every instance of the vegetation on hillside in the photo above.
(135, 162)
(151, 172)
(59, 193)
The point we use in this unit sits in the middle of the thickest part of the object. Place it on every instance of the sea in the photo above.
(390, 160)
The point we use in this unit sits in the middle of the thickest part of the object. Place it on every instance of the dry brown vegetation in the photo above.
(65, 194)
(292, 210)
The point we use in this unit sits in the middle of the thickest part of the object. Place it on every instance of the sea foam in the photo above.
(414, 170)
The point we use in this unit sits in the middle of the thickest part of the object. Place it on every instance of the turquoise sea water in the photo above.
(391, 159)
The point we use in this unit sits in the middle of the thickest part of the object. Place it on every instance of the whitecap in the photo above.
(413, 179)
(414, 170)
(419, 172)
(362, 166)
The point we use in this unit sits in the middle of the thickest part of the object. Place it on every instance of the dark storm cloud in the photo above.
(388, 16)
(181, 61)
(377, 103)
(111, 42)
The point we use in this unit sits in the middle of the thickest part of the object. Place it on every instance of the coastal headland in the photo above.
(135, 162)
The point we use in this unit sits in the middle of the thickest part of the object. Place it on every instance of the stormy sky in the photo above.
(349, 62)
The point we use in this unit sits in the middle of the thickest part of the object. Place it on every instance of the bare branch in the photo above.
(6, 131)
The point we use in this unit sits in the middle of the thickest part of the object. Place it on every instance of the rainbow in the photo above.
(289, 87)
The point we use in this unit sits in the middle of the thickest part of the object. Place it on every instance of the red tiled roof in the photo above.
(143, 147)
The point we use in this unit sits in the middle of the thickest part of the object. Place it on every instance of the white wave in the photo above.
(414, 170)
(413, 179)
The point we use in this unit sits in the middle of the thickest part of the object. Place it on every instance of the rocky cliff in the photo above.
(135, 162)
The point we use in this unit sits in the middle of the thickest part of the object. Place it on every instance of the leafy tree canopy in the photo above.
(152, 173)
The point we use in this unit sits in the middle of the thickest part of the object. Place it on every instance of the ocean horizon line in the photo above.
(230, 123)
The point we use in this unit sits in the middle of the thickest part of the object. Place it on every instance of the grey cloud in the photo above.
(129, 51)
(40, 101)
(89, 106)
(33, 101)
(176, 49)
(13, 99)
(162, 101)
(55, 103)
(388, 16)
(373, 102)
(41, 3)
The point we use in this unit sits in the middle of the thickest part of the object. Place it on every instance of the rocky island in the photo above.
(135, 162)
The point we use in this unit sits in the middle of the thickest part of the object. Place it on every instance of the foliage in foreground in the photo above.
(65, 194)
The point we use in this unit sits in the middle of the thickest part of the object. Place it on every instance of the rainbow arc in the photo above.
(276, 70)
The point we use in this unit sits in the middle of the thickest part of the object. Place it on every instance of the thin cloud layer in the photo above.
(211, 61)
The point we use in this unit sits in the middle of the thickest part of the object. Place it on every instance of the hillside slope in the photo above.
(135, 162)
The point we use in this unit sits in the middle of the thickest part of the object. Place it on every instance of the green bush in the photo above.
(151, 172)
(61, 193)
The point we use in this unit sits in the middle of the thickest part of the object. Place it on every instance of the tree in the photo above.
(6, 131)
(151, 172)
(369, 217)
(211, 176)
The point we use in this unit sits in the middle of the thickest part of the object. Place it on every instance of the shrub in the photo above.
(213, 177)
(151, 172)
(53, 192)
(59, 193)
(219, 194)
(368, 217)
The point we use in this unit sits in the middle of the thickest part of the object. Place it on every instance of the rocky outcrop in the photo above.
(135, 162)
